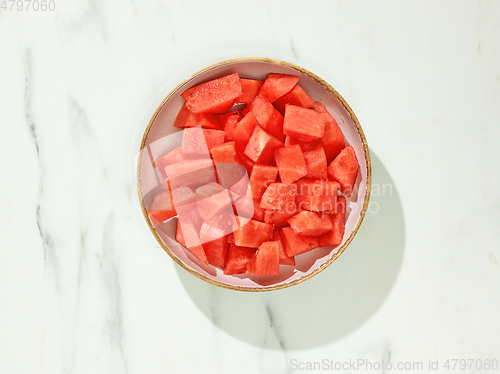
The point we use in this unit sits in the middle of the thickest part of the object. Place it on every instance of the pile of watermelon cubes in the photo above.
(261, 175)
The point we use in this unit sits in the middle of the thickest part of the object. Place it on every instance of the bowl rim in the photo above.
(366, 152)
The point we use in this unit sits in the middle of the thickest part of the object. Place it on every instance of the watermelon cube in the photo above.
(237, 259)
(243, 132)
(318, 195)
(296, 244)
(215, 204)
(305, 146)
(276, 85)
(228, 122)
(291, 163)
(186, 119)
(188, 236)
(333, 139)
(297, 96)
(266, 260)
(268, 117)
(215, 96)
(162, 207)
(281, 216)
(316, 163)
(171, 157)
(261, 146)
(250, 89)
(303, 124)
(310, 223)
(253, 234)
(284, 259)
(278, 195)
(246, 206)
(190, 172)
(182, 196)
(335, 236)
(197, 142)
(213, 235)
(224, 153)
(344, 170)
(262, 176)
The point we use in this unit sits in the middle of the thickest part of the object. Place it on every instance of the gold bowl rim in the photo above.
(365, 151)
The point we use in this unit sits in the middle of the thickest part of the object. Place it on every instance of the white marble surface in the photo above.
(85, 288)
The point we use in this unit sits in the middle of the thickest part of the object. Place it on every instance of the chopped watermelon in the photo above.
(224, 153)
(253, 234)
(248, 207)
(213, 235)
(276, 85)
(310, 223)
(284, 259)
(296, 244)
(215, 204)
(188, 236)
(215, 96)
(186, 119)
(344, 169)
(278, 195)
(197, 142)
(190, 172)
(268, 117)
(333, 138)
(261, 146)
(228, 122)
(162, 207)
(303, 124)
(250, 89)
(291, 163)
(266, 261)
(318, 195)
(297, 96)
(243, 132)
(335, 236)
(181, 197)
(316, 163)
(281, 216)
(262, 176)
(171, 157)
(237, 259)
(305, 146)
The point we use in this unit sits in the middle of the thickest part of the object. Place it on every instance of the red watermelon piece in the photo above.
(262, 175)
(303, 124)
(291, 163)
(296, 244)
(278, 195)
(243, 132)
(266, 260)
(250, 89)
(228, 122)
(333, 139)
(190, 172)
(316, 163)
(344, 169)
(284, 259)
(261, 146)
(224, 153)
(276, 85)
(305, 146)
(297, 96)
(162, 207)
(181, 197)
(237, 259)
(197, 142)
(268, 117)
(186, 119)
(253, 234)
(335, 236)
(170, 158)
(318, 195)
(281, 216)
(215, 96)
(310, 223)
(188, 236)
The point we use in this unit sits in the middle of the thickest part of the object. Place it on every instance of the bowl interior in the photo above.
(161, 137)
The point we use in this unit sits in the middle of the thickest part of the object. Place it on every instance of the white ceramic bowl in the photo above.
(159, 138)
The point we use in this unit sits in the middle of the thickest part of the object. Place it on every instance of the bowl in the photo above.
(161, 137)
